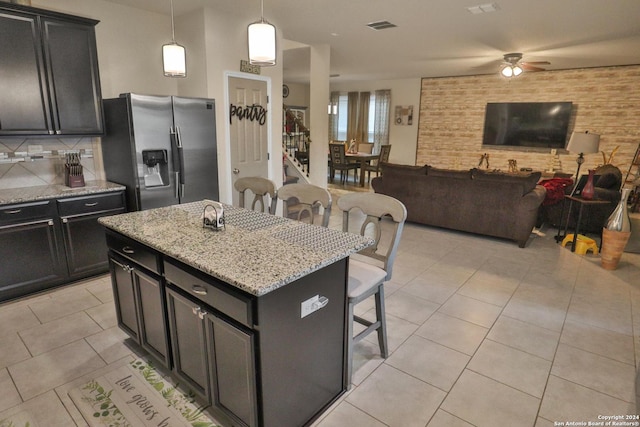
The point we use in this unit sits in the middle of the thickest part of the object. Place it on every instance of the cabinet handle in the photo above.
(201, 314)
(13, 212)
(65, 220)
(125, 267)
(128, 250)
(199, 290)
(195, 310)
(90, 205)
(50, 222)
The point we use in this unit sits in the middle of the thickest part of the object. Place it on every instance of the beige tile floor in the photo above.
(481, 333)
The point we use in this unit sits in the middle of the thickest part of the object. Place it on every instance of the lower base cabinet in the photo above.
(215, 357)
(140, 306)
(31, 251)
(47, 243)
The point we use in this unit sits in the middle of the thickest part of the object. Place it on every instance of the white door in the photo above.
(248, 129)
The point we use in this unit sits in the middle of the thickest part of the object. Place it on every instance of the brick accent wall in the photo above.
(605, 100)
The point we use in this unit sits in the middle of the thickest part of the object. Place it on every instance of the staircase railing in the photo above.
(295, 140)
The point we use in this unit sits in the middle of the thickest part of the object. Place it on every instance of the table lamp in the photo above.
(583, 143)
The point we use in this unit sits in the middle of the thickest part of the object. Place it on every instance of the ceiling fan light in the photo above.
(506, 71)
(262, 43)
(517, 70)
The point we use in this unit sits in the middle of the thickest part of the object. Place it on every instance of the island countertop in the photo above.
(255, 252)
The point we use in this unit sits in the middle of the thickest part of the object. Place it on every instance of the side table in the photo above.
(582, 202)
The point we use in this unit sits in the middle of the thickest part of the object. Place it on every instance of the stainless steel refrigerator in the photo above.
(162, 148)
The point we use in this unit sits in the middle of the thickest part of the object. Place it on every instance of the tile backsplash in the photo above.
(26, 162)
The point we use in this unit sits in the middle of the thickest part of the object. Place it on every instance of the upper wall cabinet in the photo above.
(49, 80)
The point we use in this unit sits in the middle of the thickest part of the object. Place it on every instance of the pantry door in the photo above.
(248, 128)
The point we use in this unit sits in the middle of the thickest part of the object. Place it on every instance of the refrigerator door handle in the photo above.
(177, 177)
(180, 155)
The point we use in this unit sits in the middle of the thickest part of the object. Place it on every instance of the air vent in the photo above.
(483, 8)
(381, 25)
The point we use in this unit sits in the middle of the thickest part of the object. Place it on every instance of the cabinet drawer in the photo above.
(136, 252)
(205, 289)
(90, 204)
(10, 214)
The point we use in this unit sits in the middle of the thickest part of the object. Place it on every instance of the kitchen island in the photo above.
(251, 317)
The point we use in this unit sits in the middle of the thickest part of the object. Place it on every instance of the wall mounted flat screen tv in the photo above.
(527, 124)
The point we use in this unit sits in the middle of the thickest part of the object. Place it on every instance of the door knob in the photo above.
(236, 171)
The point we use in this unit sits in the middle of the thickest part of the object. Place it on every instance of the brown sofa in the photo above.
(494, 204)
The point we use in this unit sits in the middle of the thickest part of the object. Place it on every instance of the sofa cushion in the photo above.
(527, 180)
(392, 168)
(448, 173)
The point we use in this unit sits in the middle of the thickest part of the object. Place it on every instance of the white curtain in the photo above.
(333, 116)
(381, 122)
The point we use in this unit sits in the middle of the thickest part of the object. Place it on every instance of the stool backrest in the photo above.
(299, 201)
(378, 209)
(260, 187)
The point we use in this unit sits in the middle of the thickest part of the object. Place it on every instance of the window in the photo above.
(372, 118)
(377, 119)
(343, 102)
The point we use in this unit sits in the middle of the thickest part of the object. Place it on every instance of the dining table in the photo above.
(363, 159)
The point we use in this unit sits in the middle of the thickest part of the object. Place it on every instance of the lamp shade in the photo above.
(262, 43)
(584, 143)
(174, 60)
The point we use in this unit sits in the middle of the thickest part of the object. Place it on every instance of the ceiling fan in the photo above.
(513, 67)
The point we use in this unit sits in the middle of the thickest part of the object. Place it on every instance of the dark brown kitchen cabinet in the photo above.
(215, 357)
(205, 314)
(51, 242)
(189, 343)
(139, 296)
(49, 79)
(31, 253)
(83, 236)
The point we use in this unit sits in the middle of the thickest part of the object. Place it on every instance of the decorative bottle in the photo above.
(619, 218)
(588, 191)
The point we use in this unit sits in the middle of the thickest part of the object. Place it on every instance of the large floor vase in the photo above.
(613, 243)
(615, 234)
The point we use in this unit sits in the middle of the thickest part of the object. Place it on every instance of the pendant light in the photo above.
(174, 61)
(261, 36)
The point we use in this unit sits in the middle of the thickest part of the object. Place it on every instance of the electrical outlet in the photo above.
(309, 306)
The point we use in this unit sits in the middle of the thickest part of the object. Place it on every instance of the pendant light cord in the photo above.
(173, 31)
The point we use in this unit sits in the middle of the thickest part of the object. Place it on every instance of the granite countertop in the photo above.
(55, 191)
(255, 252)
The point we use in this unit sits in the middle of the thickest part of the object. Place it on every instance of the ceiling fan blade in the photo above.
(529, 67)
(537, 62)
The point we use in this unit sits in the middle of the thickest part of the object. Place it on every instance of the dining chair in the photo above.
(302, 201)
(384, 219)
(260, 187)
(375, 165)
(365, 147)
(340, 162)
